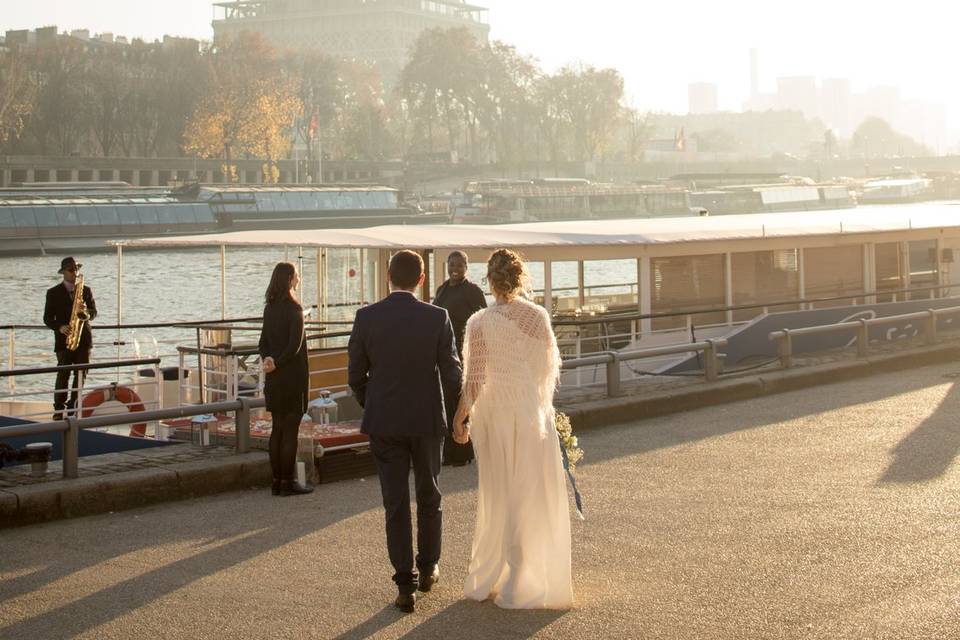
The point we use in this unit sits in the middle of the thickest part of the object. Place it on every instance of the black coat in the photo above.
(403, 363)
(461, 302)
(56, 313)
(283, 339)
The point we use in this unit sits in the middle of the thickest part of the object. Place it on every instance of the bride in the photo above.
(521, 544)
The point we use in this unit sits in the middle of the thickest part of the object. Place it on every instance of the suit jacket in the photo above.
(403, 364)
(56, 313)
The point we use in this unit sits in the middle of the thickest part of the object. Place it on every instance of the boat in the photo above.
(51, 217)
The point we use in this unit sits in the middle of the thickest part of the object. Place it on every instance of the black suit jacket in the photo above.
(403, 363)
(56, 313)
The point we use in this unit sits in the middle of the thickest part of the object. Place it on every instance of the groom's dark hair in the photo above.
(406, 267)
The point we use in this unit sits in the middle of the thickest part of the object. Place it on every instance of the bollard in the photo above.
(931, 330)
(710, 368)
(243, 425)
(71, 448)
(863, 339)
(38, 453)
(786, 349)
(613, 375)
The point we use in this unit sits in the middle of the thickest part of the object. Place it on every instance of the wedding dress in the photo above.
(521, 545)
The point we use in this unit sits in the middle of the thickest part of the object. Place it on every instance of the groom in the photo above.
(403, 363)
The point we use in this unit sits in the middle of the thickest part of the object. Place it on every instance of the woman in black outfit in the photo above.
(283, 352)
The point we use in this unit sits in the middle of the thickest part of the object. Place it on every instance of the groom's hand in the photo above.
(461, 428)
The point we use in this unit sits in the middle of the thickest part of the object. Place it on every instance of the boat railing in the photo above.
(71, 427)
(860, 331)
(143, 390)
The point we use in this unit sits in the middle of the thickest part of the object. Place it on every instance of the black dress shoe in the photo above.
(429, 578)
(406, 602)
(290, 488)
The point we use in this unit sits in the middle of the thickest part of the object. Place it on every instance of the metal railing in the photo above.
(612, 360)
(83, 383)
(71, 427)
(860, 330)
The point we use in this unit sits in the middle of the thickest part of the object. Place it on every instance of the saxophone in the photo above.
(78, 315)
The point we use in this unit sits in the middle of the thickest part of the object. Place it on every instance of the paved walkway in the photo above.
(831, 513)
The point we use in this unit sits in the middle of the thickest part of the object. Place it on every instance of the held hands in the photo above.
(461, 427)
(65, 329)
(268, 365)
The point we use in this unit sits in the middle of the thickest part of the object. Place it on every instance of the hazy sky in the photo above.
(659, 46)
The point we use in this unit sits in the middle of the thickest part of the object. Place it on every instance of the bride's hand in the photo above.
(461, 428)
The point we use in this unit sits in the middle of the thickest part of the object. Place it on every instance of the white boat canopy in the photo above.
(595, 233)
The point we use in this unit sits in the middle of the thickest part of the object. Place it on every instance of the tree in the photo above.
(18, 90)
(245, 109)
(441, 85)
(591, 103)
(875, 138)
(60, 118)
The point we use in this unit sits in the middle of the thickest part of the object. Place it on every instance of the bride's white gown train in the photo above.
(521, 545)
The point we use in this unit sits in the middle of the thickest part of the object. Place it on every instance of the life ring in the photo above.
(122, 394)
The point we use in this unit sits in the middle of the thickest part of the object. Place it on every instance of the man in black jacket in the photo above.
(56, 315)
(403, 364)
(461, 298)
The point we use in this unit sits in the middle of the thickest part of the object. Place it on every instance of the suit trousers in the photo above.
(394, 456)
(67, 357)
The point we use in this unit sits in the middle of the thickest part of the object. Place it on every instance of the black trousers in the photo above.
(283, 444)
(394, 457)
(60, 401)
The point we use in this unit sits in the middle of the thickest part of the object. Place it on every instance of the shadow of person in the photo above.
(929, 450)
(470, 619)
(370, 628)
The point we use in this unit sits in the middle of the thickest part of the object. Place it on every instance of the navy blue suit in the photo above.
(403, 366)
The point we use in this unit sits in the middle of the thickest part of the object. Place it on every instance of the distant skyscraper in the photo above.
(798, 93)
(835, 104)
(881, 102)
(702, 97)
(381, 32)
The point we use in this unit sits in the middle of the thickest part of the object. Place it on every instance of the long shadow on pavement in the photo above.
(660, 433)
(276, 523)
(929, 450)
(469, 619)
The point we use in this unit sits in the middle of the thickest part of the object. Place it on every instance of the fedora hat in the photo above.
(69, 263)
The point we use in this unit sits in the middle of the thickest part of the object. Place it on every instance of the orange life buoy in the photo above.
(127, 396)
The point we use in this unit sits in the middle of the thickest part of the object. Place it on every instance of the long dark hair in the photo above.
(280, 282)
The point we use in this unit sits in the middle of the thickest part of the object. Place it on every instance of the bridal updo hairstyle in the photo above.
(506, 273)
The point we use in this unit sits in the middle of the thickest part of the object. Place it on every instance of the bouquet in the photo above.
(568, 441)
(572, 454)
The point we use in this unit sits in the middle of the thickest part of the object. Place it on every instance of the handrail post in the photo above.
(243, 425)
(931, 332)
(71, 448)
(11, 358)
(863, 339)
(786, 349)
(613, 375)
(710, 368)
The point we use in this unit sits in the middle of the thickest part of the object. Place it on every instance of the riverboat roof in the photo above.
(596, 233)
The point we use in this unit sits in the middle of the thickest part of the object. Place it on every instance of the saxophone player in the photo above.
(57, 315)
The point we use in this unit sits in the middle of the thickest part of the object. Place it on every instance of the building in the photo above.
(702, 97)
(798, 93)
(381, 32)
(835, 105)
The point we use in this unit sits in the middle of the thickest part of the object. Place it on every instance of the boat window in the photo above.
(23, 218)
(46, 216)
(109, 215)
(761, 277)
(167, 214)
(6, 217)
(831, 272)
(87, 216)
(265, 202)
(203, 213)
(685, 283)
(68, 216)
(148, 214)
(128, 215)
